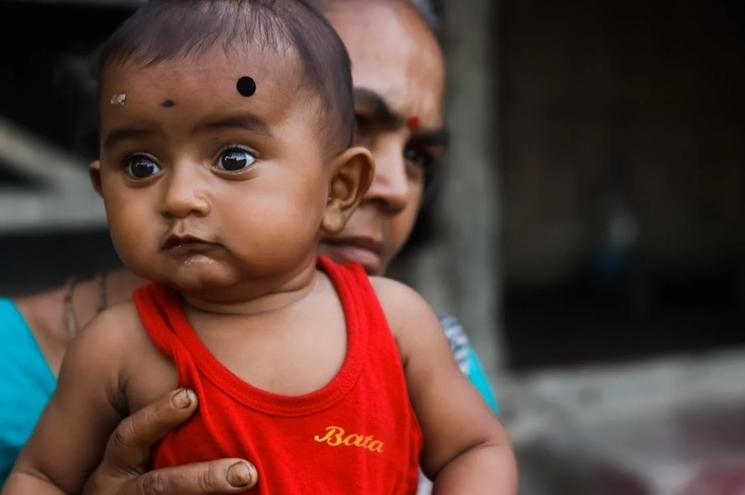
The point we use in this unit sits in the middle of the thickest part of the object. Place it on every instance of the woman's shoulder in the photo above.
(19, 348)
(43, 311)
(26, 383)
(468, 361)
(457, 338)
(9, 311)
(44, 318)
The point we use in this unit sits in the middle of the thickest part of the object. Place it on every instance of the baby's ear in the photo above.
(352, 173)
(94, 172)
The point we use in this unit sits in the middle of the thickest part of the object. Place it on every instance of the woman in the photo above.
(399, 118)
(399, 87)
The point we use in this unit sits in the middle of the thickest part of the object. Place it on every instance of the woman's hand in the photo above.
(123, 468)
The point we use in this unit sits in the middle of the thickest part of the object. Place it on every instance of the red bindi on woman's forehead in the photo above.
(413, 123)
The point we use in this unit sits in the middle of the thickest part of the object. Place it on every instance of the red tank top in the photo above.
(357, 434)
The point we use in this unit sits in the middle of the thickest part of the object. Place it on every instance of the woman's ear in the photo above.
(352, 173)
(94, 172)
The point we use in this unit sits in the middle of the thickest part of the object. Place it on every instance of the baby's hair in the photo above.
(167, 29)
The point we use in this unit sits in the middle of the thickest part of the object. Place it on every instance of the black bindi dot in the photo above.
(168, 104)
(246, 86)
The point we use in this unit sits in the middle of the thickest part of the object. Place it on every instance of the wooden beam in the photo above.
(22, 211)
(32, 156)
(66, 200)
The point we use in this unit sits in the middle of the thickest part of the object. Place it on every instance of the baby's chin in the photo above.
(195, 274)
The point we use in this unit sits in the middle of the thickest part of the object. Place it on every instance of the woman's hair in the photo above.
(428, 12)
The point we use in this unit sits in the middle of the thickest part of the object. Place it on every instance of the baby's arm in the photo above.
(466, 449)
(70, 437)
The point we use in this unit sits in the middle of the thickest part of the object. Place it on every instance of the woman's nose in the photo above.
(390, 186)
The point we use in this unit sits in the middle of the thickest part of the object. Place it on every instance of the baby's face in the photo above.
(206, 188)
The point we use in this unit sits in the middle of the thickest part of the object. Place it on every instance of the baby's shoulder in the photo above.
(116, 344)
(114, 330)
(405, 309)
(398, 299)
(114, 320)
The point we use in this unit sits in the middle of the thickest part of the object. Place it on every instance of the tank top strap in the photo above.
(156, 304)
(355, 289)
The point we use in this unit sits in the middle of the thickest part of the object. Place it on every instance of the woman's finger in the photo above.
(205, 478)
(122, 470)
(214, 477)
(129, 446)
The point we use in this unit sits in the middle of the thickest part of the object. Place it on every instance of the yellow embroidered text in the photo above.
(335, 436)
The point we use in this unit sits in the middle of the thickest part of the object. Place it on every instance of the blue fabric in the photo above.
(26, 384)
(481, 382)
(467, 359)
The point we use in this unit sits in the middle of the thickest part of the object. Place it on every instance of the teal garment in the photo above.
(26, 384)
(467, 359)
(481, 382)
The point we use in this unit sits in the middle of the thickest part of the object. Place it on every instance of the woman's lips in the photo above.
(363, 250)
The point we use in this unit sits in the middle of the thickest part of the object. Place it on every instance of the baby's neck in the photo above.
(249, 301)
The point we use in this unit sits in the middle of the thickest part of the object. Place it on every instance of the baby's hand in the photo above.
(122, 470)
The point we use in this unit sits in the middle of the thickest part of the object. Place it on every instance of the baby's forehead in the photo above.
(288, 49)
(250, 74)
(197, 92)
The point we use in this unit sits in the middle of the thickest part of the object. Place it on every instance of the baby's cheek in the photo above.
(130, 238)
(272, 239)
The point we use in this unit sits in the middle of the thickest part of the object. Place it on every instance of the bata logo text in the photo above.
(335, 436)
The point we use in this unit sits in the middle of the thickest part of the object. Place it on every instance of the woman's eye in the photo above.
(142, 167)
(235, 160)
(417, 157)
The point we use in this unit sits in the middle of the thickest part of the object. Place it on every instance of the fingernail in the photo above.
(184, 398)
(241, 474)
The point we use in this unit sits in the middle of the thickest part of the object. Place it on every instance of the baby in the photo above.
(225, 153)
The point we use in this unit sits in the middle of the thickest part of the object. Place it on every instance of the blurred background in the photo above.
(592, 229)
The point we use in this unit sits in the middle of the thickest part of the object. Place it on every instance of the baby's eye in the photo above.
(142, 167)
(235, 160)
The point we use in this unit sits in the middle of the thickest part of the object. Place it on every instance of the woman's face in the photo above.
(398, 75)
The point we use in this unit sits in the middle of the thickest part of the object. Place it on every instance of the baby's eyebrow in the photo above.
(246, 122)
(122, 134)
